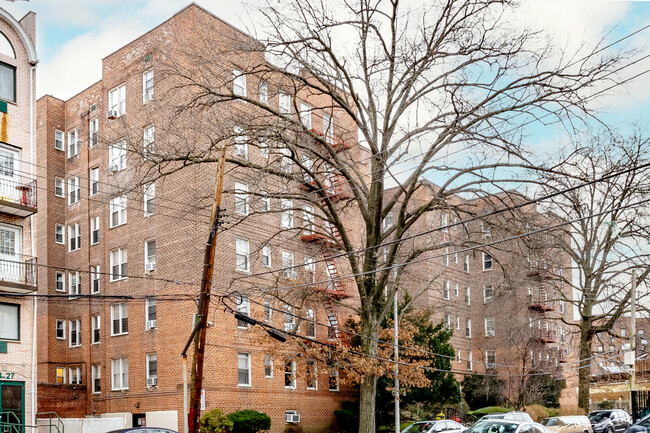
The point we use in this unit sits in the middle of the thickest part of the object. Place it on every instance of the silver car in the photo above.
(435, 426)
(507, 426)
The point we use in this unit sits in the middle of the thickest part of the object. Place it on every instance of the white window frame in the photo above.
(446, 291)
(151, 357)
(488, 293)
(95, 279)
(238, 83)
(61, 280)
(150, 306)
(74, 284)
(96, 324)
(470, 364)
(117, 99)
(288, 319)
(120, 367)
(119, 258)
(62, 328)
(118, 207)
(94, 228)
(240, 143)
(266, 256)
(487, 258)
(147, 86)
(59, 187)
(333, 374)
(490, 353)
(62, 375)
(243, 307)
(284, 103)
(268, 311)
(310, 269)
(263, 90)
(241, 198)
(314, 375)
(148, 141)
(268, 366)
(310, 328)
(74, 190)
(74, 237)
(288, 264)
(59, 234)
(308, 219)
(96, 375)
(265, 202)
(93, 182)
(466, 264)
(74, 375)
(117, 156)
(59, 137)
(286, 219)
(242, 255)
(291, 371)
(73, 143)
(244, 357)
(468, 295)
(468, 328)
(93, 133)
(119, 312)
(149, 258)
(74, 329)
(490, 327)
(149, 199)
(305, 115)
(328, 128)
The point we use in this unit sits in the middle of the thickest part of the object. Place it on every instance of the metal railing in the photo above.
(51, 416)
(18, 268)
(19, 190)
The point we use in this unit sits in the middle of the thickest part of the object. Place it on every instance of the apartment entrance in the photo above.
(12, 407)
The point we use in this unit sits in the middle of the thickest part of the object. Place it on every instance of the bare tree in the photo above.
(436, 92)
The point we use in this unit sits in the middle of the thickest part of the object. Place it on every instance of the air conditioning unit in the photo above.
(293, 418)
(113, 167)
(151, 324)
(112, 114)
(152, 381)
(150, 267)
(489, 334)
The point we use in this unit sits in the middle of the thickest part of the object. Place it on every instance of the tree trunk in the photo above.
(368, 385)
(585, 372)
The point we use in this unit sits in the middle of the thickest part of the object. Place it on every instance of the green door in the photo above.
(12, 407)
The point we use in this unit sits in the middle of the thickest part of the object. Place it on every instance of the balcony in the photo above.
(562, 355)
(545, 336)
(17, 273)
(17, 195)
(540, 303)
(337, 145)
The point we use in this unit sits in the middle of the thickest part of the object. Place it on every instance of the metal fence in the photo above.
(640, 404)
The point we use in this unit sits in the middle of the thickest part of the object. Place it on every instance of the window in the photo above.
(119, 259)
(147, 86)
(264, 92)
(305, 115)
(241, 198)
(59, 140)
(468, 328)
(286, 163)
(75, 375)
(289, 374)
(388, 221)
(148, 141)
(93, 133)
(458, 323)
(74, 283)
(93, 187)
(459, 357)
(59, 236)
(490, 359)
(600, 348)
(94, 230)
(119, 319)
(244, 369)
(487, 262)
(150, 311)
(268, 366)
(117, 157)
(120, 374)
(74, 237)
(289, 319)
(447, 321)
(311, 323)
(152, 369)
(623, 332)
(562, 306)
(241, 142)
(445, 257)
(96, 377)
(334, 379)
(96, 324)
(284, 103)
(488, 293)
(242, 255)
(486, 229)
(59, 187)
(468, 295)
(265, 202)
(466, 264)
(266, 256)
(74, 190)
(489, 326)
(149, 199)
(469, 360)
(150, 255)
(444, 221)
(117, 100)
(60, 375)
(118, 211)
(445, 290)
(268, 311)
(59, 279)
(60, 329)
(455, 258)
(73, 143)
(456, 289)
(310, 269)
(312, 374)
(74, 327)
(327, 128)
(238, 83)
(244, 308)
(95, 274)
(308, 219)
(288, 270)
(287, 213)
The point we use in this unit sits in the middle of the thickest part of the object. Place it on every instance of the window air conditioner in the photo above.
(292, 417)
(151, 324)
(112, 114)
(113, 167)
(152, 381)
(489, 333)
(150, 267)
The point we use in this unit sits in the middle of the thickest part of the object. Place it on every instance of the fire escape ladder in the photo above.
(333, 331)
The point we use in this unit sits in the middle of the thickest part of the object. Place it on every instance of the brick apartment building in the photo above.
(18, 192)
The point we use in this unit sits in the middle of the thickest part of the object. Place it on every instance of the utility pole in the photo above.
(396, 355)
(633, 335)
(200, 327)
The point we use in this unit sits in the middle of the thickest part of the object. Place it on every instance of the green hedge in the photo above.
(249, 421)
(487, 410)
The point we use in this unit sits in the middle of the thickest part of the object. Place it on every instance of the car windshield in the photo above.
(599, 416)
(418, 427)
(550, 422)
(492, 427)
(494, 416)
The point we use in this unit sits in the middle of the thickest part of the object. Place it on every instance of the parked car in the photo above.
(435, 426)
(506, 426)
(641, 426)
(568, 424)
(143, 430)
(514, 416)
(609, 421)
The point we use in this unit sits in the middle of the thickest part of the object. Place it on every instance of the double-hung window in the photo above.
(468, 295)
(238, 83)
(117, 101)
(74, 332)
(59, 187)
(150, 313)
(60, 329)
(264, 92)
(149, 199)
(268, 311)
(244, 369)
(96, 374)
(288, 264)
(117, 156)
(93, 187)
(328, 128)
(265, 202)
(488, 293)
(119, 318)
(446, 290)
(93, 133)
(468, 328)
(10, 314)
(120, 374)
(268, 366)
(284, 103)
(118, 211)
(94, 230)
(148, 141)
(96, 324)
(312, 374)
(469, 361)
(59, 140)
(74, 284)
(308, 219)
(147, 86)
(334, 379)
(241, 142)
(290, 374)
(488, 264)
(241, 198)
(289, 319)
(59, 234)
(74, 190)
(119, 260)
(287, 213)
(152, 369)
(73, 143)
(242, 255)
(150, 255)
(311, 323)
(489, 326)
(310, 269)
(74, 237)
(266, 256)
(305, 115)
(490, 359)
(59, 279)
(243, 308)
(95, 275)
(75, 375)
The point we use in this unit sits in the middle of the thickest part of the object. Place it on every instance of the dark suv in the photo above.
(609, 421)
